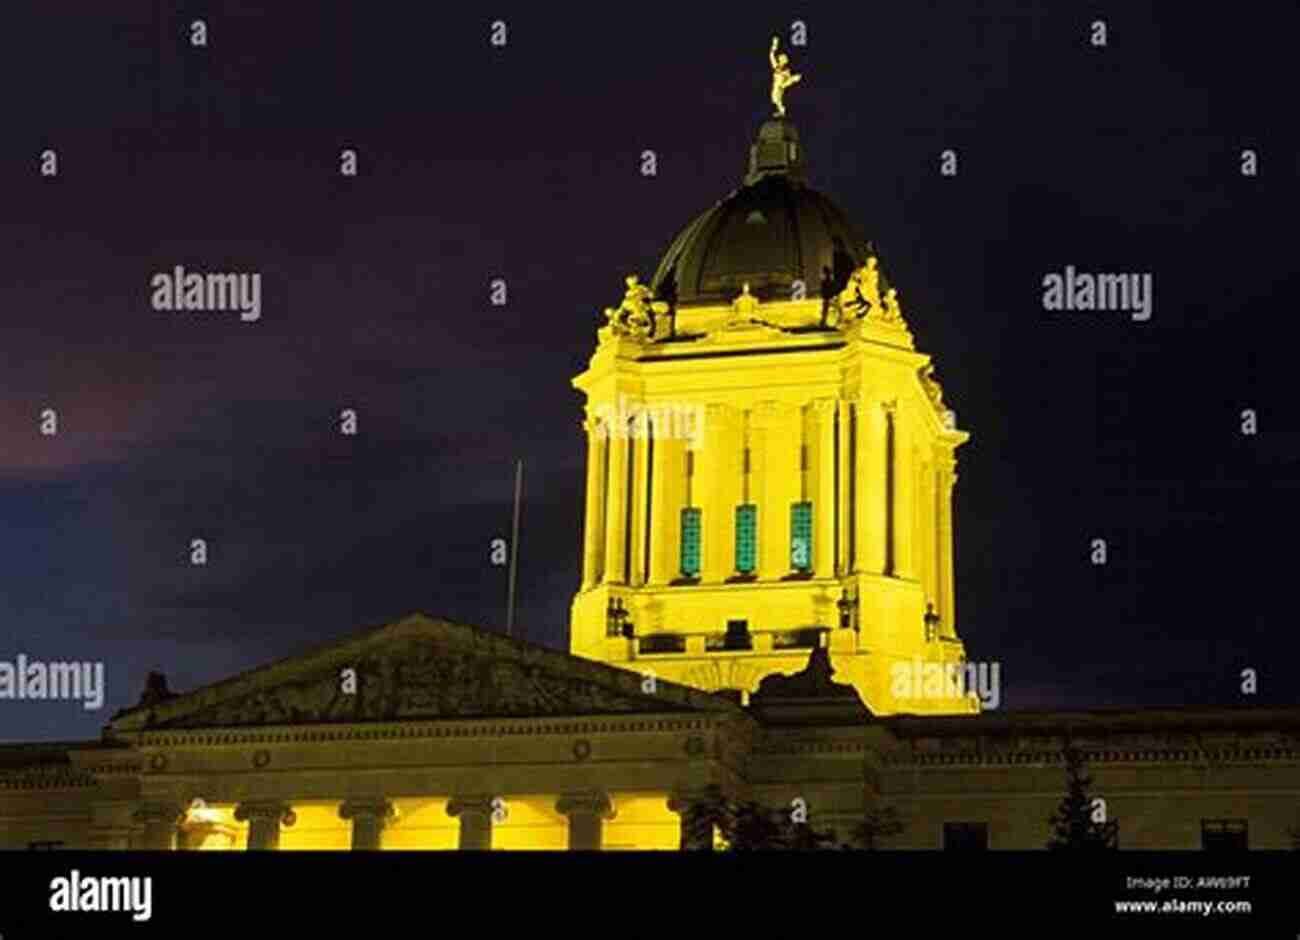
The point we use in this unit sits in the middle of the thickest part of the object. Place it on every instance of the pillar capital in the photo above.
(475, 814)
(587, 811)
(368, 815)
(375, 806)
(266, 810)
(589, 802)
(471, 804)
(264, 818)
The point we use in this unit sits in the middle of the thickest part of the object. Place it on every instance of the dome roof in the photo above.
(772, 231)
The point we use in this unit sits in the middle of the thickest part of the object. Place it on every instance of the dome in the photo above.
(772, 231)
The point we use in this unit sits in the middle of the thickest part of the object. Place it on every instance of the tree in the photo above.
(1074, 824)
(880, 822)
(747, 826)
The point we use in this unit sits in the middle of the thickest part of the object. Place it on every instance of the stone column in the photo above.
(845, 523)
(696, 827)
(717, 482)
(475, 815)
(822, 489)
(667, 492)
(642, 429)
(904, 497)
(927, 528)
(872, 485)
(160, 820)
(368, 817)
(947, 606)
(264, 818)
(616, 497)
(587, 812)
(592, 548)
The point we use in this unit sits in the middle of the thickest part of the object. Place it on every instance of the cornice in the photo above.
(315, 734)
(1118, 756)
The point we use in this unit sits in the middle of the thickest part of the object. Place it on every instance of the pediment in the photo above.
(418, 669)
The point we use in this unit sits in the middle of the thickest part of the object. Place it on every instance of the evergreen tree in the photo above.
(880, 822)
(1073, 825)
(747, 826)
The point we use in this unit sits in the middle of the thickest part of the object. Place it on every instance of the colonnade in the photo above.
(159, 823)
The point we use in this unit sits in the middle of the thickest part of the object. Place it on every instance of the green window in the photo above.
(801, 536)
(746, 538)
(691, 542)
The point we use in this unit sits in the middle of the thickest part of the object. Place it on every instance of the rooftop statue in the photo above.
(782, 78)
(744, 306)
(862, 292)
(932, 387)
(637, 310)
(892, 312)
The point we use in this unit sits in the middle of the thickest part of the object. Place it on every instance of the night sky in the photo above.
(524, 163)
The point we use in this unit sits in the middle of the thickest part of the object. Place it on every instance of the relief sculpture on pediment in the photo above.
(421, 680)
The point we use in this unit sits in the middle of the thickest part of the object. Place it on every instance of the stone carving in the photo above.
(636, 314)
(419, 677)
(782, 77)
(861, 294)
(890, 311)
(932, 388)
(743, 308)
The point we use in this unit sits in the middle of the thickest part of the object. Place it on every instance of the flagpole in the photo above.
(514, 548)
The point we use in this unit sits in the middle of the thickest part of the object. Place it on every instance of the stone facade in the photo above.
(460, 738)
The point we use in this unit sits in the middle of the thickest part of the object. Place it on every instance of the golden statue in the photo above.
(636, 311)
(862, 289)
(932, 387)
(869, 282)
(744, 306)
(892, 312)
(781, 77)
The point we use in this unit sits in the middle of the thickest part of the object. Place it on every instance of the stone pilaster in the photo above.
(264, 818)
(904, 497)
(475, 815)
(368, 817)
(718, 481)
(844, 521)
(947, 477)
(592, 546)
(872, 486)
(616, 497)
(642, 429)
(159, 821)
(822, 487)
